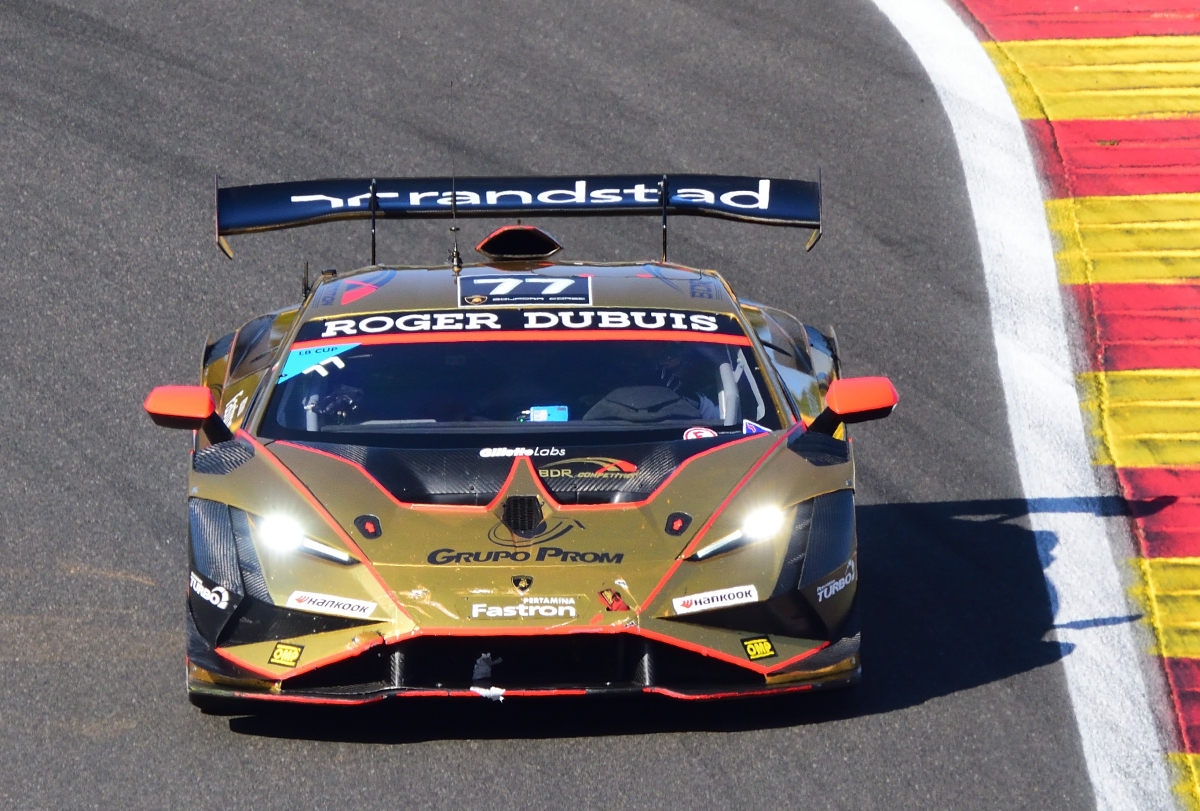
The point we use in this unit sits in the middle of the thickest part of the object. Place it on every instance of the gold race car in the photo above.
(520, 476)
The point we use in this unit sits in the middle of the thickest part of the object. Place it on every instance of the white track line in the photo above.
(1125, 755)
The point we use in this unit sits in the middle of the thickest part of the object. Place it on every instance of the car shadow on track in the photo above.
(952, 594)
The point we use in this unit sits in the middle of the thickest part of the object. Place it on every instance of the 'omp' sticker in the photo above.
(312, 359)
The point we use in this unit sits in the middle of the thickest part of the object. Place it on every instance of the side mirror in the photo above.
(855, 399)
(190, 407)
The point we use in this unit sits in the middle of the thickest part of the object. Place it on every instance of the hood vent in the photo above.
(523, 515)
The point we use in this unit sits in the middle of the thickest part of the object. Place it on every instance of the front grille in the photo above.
(524, 663)
(522, 514)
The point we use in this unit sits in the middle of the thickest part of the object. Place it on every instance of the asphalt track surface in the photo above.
(116, 114)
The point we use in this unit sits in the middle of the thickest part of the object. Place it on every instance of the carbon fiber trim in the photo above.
(222, 458)
(820, 449)
(793, 559)
(257, 621)
(214, 552)
(831, 541)
(251, 569)
(462, 476)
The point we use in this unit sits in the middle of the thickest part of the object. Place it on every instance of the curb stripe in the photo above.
(1131, 77)
(1139, 326)
(1144, 418)
(1061, 19)
(1087, 158)
(1143, 238)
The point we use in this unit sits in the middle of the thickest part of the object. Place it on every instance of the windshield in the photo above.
(506, 378)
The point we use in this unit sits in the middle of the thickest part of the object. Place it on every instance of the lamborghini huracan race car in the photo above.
(520, 477)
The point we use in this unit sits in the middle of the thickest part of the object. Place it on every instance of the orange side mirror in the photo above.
(855, 399)
(180, 406)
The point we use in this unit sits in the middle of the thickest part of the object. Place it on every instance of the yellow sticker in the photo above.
(287, 655)
(759, 648)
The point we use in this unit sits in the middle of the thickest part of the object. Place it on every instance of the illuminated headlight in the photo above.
(761, 525)
(283, 533)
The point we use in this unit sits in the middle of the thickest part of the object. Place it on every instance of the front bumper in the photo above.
(500, 666)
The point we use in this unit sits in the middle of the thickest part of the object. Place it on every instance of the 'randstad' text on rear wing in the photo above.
(768, 201)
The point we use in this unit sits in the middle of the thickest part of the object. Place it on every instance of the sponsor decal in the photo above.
(702, 288)
(749, 427)
(522, 582)
(613, 601)
(235, 407)
(588, 467)
(314, 360)
(555, 413)
(563, 319)
(549, 607)
(544, 554)
(355, 289)
(492, 453)
(699, 432)
(824, 592)
(544, 533)
(330, 604)
(217, 595)
(573, 193)
(518, 289)
(285, 655)
(721, 598)
(759, 647)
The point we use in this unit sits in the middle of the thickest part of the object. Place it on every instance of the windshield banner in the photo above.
(598, 322)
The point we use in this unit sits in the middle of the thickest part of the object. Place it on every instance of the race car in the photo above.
(520, 477)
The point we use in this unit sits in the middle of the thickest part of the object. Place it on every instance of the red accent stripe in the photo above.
(555, 505)
(1184, 676)
(1165, 504)
(1083, 19)
(1083, 158)
(700, 534)
(530, 335)
(345, 702)
(1141, 326)
(305, 493)
(548, 693)
(766, 691)
(568, 630)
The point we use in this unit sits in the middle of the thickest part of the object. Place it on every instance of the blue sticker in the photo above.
(317, 359)
(753, 428)
(547, 413)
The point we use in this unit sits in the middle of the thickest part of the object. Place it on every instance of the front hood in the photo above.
(457, 568)
(443, 561)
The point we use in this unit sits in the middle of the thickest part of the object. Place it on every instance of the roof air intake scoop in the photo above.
(515, 242)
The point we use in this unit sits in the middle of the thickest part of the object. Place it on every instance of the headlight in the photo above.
(761, 525)
(282, 533)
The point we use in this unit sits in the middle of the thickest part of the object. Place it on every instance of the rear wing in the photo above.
(768, 201)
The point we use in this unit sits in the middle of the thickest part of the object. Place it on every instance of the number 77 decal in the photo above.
(505, 286)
